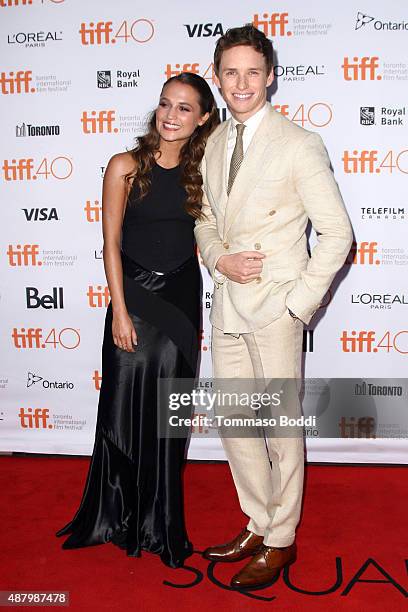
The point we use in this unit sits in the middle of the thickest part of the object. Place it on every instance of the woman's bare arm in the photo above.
(114, 196)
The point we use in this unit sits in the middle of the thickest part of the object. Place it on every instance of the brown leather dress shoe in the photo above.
(264, 567)
(244, 545)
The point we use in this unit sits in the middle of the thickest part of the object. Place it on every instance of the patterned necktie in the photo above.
(237, 156)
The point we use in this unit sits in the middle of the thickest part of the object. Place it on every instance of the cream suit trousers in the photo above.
(268, 475)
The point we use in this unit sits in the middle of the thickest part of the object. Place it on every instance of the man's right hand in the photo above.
(241, 267)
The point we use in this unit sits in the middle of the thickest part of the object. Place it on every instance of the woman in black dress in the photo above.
(151, 198)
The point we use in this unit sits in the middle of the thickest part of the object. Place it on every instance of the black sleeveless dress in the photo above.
(133, 492)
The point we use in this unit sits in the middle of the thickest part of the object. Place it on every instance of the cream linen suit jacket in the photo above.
(284, 180)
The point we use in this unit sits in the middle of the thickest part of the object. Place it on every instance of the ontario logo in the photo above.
(363, 20)
(33, 379)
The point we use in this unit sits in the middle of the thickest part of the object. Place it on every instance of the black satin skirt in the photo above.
(133, 493)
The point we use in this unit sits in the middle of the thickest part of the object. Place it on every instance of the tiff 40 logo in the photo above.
(36, 338)
(105, 33)
(372, 162)
(317, 115)
(27, 169)
(366, 342)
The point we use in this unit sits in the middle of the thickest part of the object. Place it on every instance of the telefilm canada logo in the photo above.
(121, 79)
(363, 20)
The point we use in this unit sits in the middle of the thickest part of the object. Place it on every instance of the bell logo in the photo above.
(98, 123)
(273, 24)
(16, 83)
(93, 211)
(56, 300)
(102, 32)
(361, 70)
(26, 255)
(98, 297)
(363, 254)
(34, 418)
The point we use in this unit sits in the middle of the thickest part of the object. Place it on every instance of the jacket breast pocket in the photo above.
(271, 190)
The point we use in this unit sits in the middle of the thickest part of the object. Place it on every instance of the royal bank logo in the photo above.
(121, 79)
(104, 79)
(367, 115)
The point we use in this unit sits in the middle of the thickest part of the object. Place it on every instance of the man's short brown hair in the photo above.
(247, 36)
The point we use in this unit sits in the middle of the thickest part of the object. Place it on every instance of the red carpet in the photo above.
(352, 543)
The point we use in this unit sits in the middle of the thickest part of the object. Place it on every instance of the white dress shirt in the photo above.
(252, 125)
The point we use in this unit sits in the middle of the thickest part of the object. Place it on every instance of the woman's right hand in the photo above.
(123, 332)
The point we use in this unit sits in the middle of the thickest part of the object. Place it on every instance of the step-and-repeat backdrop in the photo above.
(77, 80)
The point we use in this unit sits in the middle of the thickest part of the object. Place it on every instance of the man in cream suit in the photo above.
(264, 177)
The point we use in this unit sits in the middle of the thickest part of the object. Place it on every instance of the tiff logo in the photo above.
(16, 83)
(361, 342)
(26, 255)
(93, 211)
(365, 69)
(98, 123)
(97, 378)
(96, 34)
(360, 162)
(178, 68)
(98, 297)
(363, 427)
(34, 419)
(30, 338)
(19, 170)
(272, 24)
(363, 254)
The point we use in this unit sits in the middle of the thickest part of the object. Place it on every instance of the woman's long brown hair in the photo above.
(191, 153)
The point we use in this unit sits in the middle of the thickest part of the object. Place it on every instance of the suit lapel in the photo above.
(216, 158)
(255, 159)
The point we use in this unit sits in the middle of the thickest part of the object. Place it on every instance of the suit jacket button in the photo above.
(226, 245)
(272, 212)
(257, 246)
(259, 279)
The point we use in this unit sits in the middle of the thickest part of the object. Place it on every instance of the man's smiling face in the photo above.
(243, 80)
